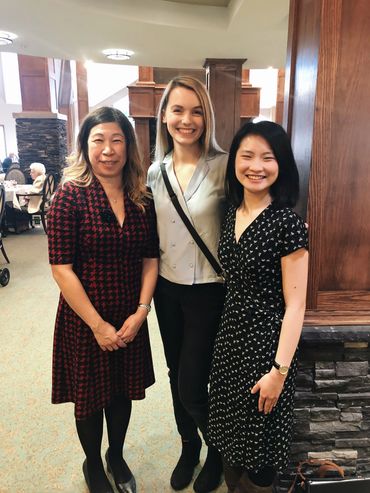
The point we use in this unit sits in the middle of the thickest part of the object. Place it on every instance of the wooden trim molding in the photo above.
(336, 317)
(344, 300)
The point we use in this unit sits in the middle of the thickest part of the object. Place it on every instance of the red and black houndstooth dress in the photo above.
(83, 231)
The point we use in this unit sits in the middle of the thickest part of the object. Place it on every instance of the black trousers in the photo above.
(188, 317)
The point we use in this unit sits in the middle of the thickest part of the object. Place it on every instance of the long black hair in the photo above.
(285, 190)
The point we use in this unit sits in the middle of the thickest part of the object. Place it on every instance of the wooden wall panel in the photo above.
(346, 235)
(328, 116)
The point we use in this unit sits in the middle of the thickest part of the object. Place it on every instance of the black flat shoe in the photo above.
(92, 489)
(123, 487)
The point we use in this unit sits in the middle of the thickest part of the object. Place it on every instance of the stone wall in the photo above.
(332, 402)
(42, 140)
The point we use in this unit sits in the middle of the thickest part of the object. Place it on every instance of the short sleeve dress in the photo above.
(83, 231)
(247, 340)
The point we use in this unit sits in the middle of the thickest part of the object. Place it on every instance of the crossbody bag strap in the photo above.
(203, 247)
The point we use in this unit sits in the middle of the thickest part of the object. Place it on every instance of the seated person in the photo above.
(38, 175)
(14, 157)
(6, 164)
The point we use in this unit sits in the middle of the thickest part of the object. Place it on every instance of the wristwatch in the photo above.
(144, 305)
(283, 370)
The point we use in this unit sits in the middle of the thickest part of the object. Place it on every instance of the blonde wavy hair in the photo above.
(79, 169)
(164, 141)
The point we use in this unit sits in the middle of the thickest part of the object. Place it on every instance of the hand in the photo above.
(107, 338)
(131, 326)
(269, 387)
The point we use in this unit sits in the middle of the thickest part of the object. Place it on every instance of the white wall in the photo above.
(6, 116)
(6, 119)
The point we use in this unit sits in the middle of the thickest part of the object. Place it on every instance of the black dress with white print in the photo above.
(247, 340)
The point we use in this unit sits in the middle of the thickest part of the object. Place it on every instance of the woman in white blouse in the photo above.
(37, 172)
(189, 295)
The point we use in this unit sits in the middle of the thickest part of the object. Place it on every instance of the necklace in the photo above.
(116, 199)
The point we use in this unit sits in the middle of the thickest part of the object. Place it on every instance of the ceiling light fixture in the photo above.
(118, 54)
(7, 38)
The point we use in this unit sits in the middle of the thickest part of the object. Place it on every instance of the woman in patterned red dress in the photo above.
(103, 251)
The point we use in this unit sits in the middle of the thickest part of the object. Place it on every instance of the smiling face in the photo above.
(184, 117)
(256, 167)
(107, 150)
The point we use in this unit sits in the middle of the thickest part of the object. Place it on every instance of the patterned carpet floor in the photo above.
(39, 451)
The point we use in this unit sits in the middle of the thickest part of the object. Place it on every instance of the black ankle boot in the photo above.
(189, 458)
(209, 477)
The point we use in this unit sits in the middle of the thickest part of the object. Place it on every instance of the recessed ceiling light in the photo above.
(6, 38)
(118, 54)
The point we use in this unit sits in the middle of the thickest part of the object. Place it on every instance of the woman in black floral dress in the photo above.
(263, 250)
(103, 248)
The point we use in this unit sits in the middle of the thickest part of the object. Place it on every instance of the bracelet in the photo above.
(144, 305)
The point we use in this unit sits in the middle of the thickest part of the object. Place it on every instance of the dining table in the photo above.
(12, 192)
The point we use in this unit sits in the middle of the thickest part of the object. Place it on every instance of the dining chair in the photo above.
(17, 175)
(2, 209)
(47, 193)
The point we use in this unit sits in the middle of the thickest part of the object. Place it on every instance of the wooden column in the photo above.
(65, 104)
(146, 76)
(82, 91)
(34, 82)
(224, 85)
(280, 97)
(326, 111)
(41, 130)
(250, 99)
(327, 108)
(143, 106)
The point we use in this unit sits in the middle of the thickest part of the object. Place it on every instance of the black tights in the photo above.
(90, 433)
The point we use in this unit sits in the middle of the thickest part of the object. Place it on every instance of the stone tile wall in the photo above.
(42, 140)
(332, 402)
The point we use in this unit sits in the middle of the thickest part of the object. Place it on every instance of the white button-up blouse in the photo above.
(181, 260)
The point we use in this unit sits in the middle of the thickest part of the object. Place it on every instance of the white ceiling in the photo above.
(162, 33)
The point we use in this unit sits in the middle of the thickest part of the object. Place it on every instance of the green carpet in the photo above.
(39, 451)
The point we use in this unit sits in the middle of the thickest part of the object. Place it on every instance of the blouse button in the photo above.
(191, 265)
(173, 221)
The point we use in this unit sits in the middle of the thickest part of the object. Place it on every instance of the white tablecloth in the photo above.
(11, 192)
